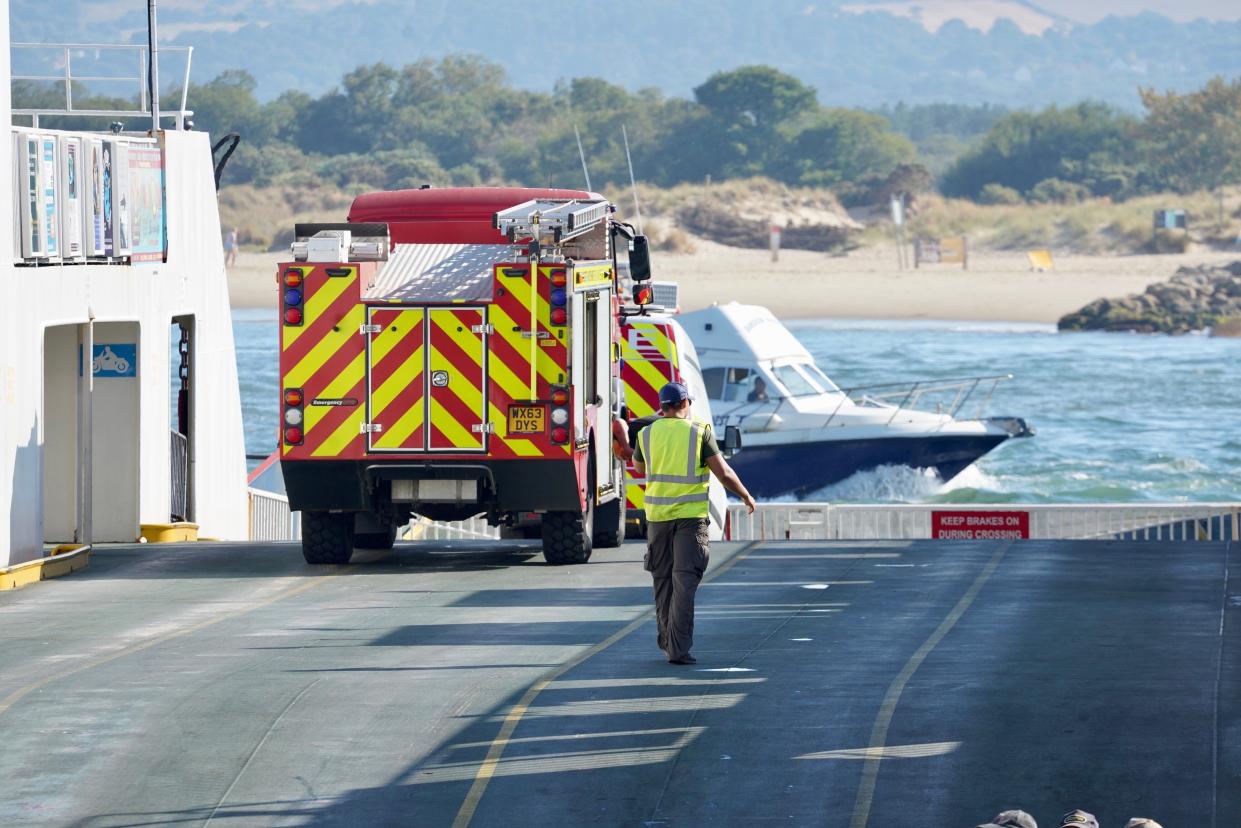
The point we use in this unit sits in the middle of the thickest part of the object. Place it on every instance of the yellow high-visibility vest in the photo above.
(676, 474)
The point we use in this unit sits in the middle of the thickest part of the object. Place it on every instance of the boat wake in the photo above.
(903, 484)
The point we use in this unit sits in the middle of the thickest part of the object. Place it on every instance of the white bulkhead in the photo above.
(59, 436)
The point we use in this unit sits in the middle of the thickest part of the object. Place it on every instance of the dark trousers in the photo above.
(676, 557)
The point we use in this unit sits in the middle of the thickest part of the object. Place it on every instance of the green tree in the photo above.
(1193, 141)
(227, 104)
(1089, 144)
(747, 107)
(843, 145)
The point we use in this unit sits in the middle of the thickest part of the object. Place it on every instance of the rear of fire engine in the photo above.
(449, 353)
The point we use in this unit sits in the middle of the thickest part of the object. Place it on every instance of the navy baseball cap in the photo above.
(673, 393)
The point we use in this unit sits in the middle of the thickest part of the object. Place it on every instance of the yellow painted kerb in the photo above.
(169, 532)
(57, 564)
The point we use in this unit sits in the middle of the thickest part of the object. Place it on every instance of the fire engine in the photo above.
(455, 352)
(655, 349)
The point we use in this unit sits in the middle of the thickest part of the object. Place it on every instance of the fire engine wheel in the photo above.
(376, 540)
(610, 521)
(327, 538)
(567, 537)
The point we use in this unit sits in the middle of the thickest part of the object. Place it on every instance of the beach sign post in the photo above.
(898, 224)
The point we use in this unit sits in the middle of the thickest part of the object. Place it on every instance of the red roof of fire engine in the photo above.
(451, 215)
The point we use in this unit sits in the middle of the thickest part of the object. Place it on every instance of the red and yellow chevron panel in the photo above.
(441, 378)
(457, 391)
(512, 350)
(397, 402)
(325, 357)
(648, 360)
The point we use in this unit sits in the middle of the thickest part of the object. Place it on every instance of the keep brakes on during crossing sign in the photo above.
(979, 525)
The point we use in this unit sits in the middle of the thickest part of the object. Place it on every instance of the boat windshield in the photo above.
(729, 384)
(820, 377)
(794, 381)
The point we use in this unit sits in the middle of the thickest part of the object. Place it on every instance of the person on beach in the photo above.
(230, 248)
(677, 455)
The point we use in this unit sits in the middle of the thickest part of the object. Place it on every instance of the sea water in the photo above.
(1119, 417)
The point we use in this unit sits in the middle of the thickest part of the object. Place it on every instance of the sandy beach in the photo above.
(866, 284)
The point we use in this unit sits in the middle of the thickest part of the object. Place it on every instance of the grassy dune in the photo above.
(1094, 227)
(737, 213)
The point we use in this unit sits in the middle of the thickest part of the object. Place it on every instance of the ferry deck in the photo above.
(465, 683)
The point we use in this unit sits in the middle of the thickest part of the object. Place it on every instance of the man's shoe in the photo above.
(685, 659)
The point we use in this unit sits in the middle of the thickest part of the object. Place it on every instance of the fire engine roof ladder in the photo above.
(551, 222)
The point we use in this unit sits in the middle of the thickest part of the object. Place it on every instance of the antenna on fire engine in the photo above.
(632, 181)
(581, 154)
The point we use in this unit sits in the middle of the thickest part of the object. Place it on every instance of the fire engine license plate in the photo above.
(527, 419)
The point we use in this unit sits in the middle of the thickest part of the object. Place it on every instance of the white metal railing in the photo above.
(1094, 521)
(948, 397)
(61, 56)
(475, 528)
(270, 518)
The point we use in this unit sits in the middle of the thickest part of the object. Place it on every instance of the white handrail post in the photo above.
(153, 36)
(185, 88)
(68, 80)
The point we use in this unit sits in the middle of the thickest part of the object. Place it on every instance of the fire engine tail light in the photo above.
(293, 297)
(559, 278)
(294, 403)
(559, 298)
(560, 414)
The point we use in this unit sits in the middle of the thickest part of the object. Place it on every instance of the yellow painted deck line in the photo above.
(314, 581)
(183, 532)
(496, 750)
(53, 566)
(875, 753)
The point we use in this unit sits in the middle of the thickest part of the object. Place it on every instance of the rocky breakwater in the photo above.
(1194, 299)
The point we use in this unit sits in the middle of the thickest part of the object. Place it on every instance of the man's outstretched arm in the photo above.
(725, 474)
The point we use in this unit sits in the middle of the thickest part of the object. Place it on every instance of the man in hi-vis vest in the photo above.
(677, 455)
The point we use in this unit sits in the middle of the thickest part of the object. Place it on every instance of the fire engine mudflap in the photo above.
(450, 353)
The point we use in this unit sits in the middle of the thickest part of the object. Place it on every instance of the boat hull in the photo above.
(797, 469)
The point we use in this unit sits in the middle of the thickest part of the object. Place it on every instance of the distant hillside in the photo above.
(855, 53)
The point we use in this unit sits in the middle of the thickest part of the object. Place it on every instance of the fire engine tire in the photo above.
(375, 540)
(327, 538)
(636, 531)
(567, 537)
(610, 522)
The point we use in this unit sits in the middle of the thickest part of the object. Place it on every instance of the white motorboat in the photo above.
(802, 432)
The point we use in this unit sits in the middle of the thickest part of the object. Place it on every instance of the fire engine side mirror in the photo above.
(732, 440)
(643, 295)
(639, 259)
